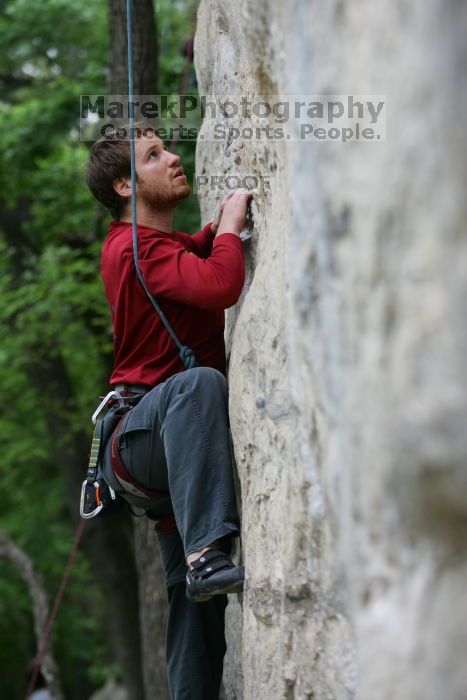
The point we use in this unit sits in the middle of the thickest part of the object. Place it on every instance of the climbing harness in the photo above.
(97, 497)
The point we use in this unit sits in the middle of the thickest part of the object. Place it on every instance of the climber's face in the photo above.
(161, 182)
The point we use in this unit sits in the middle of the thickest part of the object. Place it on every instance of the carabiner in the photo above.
(105, 401)
(82, 503)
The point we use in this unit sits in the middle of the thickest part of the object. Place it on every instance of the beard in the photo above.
(160, 197)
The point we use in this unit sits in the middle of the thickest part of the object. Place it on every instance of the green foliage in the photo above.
(52, 307)
(15, 630)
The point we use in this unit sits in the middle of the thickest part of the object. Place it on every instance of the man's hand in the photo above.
(234, 209)
(217, 220)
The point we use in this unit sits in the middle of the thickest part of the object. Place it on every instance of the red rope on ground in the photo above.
(58, 601)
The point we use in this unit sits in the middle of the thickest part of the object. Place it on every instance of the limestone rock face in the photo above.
(348, 354)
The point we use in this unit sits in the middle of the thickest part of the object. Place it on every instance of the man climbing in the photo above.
(171, 452)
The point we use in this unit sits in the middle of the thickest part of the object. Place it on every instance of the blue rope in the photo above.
(186, 354)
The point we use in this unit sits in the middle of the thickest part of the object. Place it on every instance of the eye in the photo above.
(153, 154)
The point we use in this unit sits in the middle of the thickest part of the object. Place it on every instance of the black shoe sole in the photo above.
(207, 593)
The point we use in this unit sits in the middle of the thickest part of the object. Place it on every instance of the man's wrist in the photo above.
(227, 226)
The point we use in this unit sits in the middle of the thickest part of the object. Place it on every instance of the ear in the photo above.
(122, 186)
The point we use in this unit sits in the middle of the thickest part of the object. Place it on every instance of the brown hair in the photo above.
(109, 159)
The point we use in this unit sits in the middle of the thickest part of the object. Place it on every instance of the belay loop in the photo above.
(187, 355)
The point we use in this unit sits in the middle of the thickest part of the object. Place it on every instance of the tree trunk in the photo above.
(153, 610)
(145, 48)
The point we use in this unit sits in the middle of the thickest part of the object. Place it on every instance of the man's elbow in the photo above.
(232, 294)
(231, 299)
(224, 298)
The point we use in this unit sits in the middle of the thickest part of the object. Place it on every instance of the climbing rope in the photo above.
(186, 354)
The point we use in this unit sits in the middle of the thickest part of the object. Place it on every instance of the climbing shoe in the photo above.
(213, 573)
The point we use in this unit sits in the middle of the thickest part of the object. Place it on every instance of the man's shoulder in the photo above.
(119, 242)
(117, 250)
(119, 231)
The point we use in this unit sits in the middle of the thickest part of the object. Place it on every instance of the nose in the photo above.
(172, 159)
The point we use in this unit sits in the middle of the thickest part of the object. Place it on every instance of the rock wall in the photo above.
(348, 354)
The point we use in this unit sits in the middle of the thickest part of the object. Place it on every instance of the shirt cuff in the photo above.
(230, 234)
(208, 226)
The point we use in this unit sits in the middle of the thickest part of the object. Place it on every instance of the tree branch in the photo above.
(22, 562)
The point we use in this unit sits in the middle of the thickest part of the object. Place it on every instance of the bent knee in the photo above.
(206, 375)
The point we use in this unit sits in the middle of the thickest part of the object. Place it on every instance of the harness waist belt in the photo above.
(125, 389)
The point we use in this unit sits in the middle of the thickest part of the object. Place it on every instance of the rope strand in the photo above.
(186, 354)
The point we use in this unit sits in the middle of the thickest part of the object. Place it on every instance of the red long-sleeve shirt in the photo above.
(194, 278)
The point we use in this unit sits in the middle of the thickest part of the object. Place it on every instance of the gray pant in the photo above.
(176, 440)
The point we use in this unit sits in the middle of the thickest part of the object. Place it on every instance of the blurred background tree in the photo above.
(56, 350)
